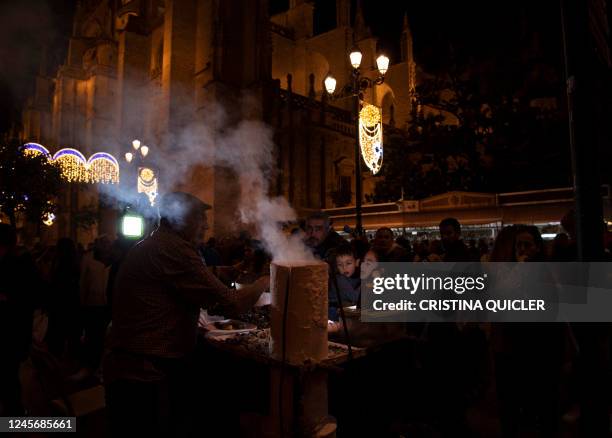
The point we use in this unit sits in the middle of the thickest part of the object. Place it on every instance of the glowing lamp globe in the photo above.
(330, 84)
(382, 62)
(355, 57)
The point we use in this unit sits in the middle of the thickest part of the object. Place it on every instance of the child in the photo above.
(369, 265)
(346, 279)
(369, 268)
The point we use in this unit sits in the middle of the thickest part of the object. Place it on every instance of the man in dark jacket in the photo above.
(159, 289)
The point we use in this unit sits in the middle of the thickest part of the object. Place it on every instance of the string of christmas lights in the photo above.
(101, 168)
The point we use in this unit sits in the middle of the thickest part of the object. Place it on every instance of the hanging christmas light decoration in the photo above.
(33, 149)
(101, 168)
(48, 219)
(73, 165)
(147, 183)
(371, 137)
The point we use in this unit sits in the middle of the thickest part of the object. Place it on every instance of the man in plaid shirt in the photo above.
(159, 290)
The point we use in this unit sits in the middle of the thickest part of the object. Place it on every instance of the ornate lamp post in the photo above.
(354, 89)
(146, 176)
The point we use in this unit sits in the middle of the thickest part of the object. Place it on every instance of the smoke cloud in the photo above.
(247, 148)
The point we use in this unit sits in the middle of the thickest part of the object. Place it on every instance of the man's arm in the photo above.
(188, 276)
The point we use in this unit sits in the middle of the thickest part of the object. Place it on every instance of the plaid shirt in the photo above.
(158, 293)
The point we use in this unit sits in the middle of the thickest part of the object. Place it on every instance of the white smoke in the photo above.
(245, 147)
(248, 149)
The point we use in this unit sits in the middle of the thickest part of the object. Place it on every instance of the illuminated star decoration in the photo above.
(371, 137)
(101, 168)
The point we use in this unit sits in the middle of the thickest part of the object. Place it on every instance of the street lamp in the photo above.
(355, 57)
(353, 89)
(382, 62)
(136, 144)
(330, 84)
(146, 179)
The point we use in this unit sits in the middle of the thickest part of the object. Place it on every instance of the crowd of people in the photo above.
(60, 300)
(524, 361)
(54, 305)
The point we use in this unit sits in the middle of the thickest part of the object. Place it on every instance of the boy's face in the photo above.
(346, 265)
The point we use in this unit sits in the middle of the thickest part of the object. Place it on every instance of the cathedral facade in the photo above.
(153, 70)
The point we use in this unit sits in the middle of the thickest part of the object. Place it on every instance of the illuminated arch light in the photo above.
(73, 165)
(103, 168)
(33, 149)
(370, 137)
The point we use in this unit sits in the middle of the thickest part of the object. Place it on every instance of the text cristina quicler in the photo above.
(460, 305)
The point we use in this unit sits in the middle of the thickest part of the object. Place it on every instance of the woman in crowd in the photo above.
(528, 356)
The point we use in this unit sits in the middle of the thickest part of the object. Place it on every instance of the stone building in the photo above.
(154, 69)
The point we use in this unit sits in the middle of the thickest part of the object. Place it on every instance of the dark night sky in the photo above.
(25, 25)
(476, 27)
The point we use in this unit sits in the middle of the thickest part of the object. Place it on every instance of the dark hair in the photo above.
(451, 221)
(380, 256)
(503, 249)
(404, 243)
(385, 229)
(344, 250)
(320, 215)
(8, 235)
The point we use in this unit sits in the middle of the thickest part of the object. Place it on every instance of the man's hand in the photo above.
(333, 327)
